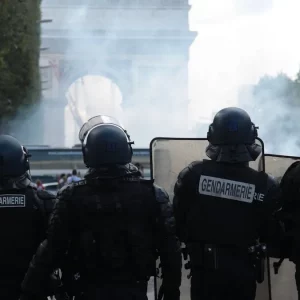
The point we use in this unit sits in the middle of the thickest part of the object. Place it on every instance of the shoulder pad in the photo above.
(45, 201)
(160, 194)
(187, 171)
(32, 185)
(197, 163)
(44, 195)
(66, 191)
(292, 174)
(183, 173)
(292, 166)
(272, 180)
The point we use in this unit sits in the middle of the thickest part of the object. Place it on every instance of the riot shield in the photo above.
(283, 284)
(169, 156)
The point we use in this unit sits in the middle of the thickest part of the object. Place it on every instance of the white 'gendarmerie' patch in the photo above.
(12, 200)
(228, 189)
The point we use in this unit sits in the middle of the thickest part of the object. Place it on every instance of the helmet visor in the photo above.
(95, 121)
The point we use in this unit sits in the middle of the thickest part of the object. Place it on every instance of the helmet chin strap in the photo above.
(254, 151)
(234, 153)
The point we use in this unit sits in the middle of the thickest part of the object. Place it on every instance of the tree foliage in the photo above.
(19, 56)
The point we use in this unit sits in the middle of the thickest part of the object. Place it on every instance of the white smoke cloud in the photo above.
(233, 49)
(150, 115)
(238, 42)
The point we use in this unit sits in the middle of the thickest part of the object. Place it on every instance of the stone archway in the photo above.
(69, 71)
(116, 71)
(86, 97)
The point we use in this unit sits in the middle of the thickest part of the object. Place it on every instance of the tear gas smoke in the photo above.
(271, 103)
(152, 81)
(238, 42)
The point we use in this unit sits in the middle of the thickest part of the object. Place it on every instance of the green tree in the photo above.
(19, 57)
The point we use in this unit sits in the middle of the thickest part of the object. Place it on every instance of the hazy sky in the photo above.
(239, 41)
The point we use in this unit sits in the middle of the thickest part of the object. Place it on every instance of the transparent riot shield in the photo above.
(169, 156)
(283, 284)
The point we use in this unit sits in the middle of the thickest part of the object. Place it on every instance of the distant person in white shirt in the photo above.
(62, 181)
(73, 177)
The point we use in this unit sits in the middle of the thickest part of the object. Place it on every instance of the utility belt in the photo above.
(258, 254)
(210, 257)
(77, 285)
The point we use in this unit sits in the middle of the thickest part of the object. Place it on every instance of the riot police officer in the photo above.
(23, 216)
(290, 216)
(220, 207)
(117, 220)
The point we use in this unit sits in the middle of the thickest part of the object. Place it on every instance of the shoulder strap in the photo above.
(38, 204)
(80, 182)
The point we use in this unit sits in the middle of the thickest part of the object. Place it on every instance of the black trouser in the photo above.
(297, 275)
(10, 286)
(234, 279)
(14, 294)
(113, 291)
(8, 294)
(295, 258)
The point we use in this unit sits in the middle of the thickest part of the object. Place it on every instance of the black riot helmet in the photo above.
(105, 142)
(232, 137)
(13, 158)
